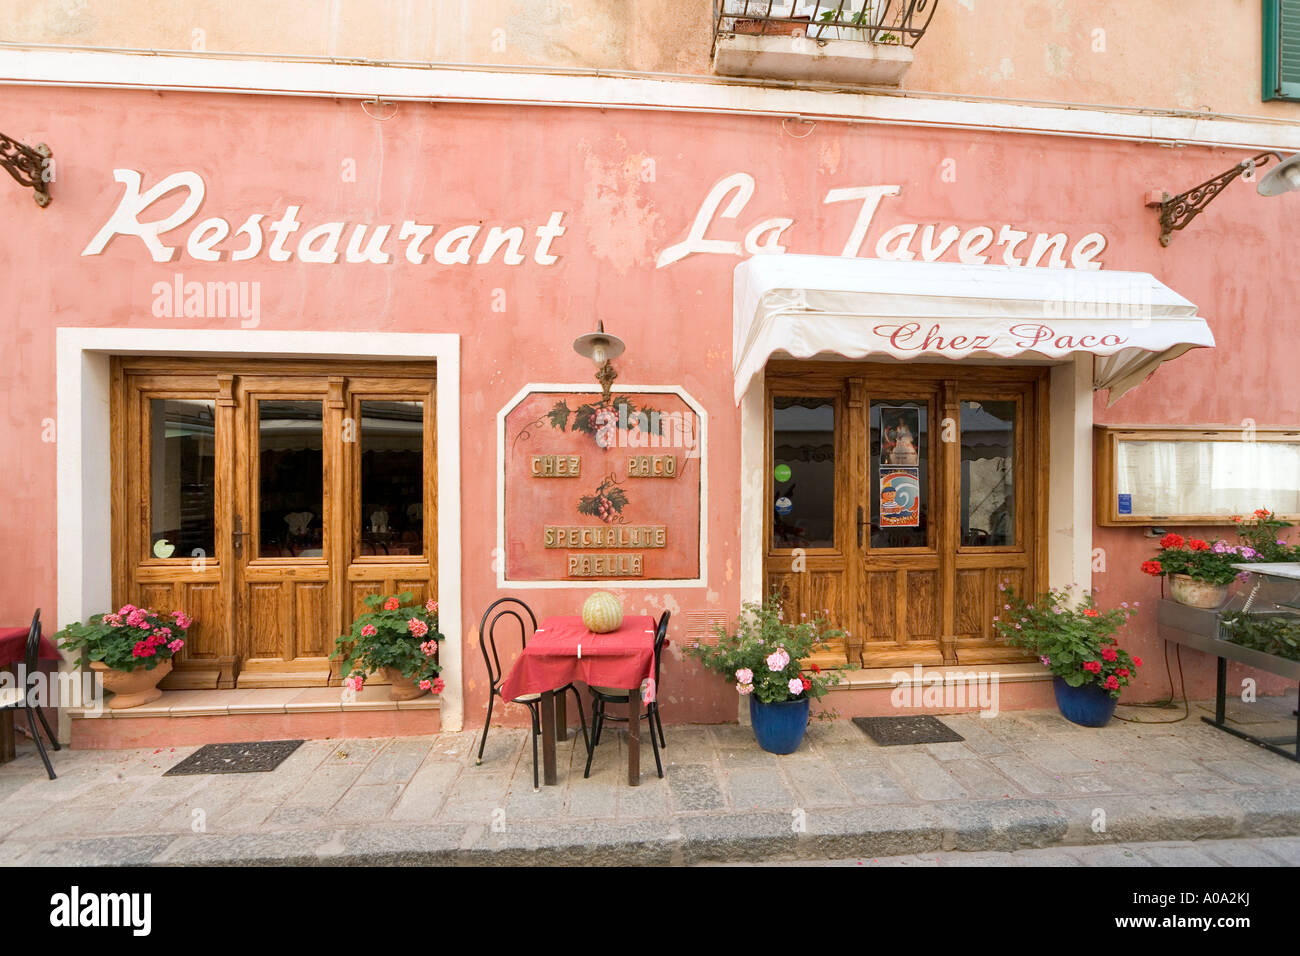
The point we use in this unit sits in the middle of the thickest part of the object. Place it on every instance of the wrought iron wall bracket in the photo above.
(1177, 211)
(27, 165)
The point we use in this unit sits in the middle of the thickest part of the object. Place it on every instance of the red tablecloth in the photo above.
(13, 644)
(563, 651)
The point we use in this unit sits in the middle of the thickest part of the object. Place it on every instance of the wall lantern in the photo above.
(27, 165)
(600, 347)
(1177, 211)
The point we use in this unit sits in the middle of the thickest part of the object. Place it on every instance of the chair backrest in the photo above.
(31, 653)
(661, 637)
(509, 607)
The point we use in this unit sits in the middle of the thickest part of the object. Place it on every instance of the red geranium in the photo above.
(1123, 672)
(392, 604)
(1172, 540)
(806, 682)
(1262, 513)
(1137, 662)
(1112, 683)
(1153, 568)
(1090, 612)
(1196, 544)
(1093, 667)
(1109, 653)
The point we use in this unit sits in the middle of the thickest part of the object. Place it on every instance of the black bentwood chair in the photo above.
(13, 698)
(514, 608)
(600, 696)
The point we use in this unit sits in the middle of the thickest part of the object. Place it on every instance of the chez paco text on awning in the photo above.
(802, 306)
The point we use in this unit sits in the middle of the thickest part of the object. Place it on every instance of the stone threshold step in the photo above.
(261, 700)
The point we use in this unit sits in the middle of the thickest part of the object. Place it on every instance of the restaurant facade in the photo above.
(272, 354)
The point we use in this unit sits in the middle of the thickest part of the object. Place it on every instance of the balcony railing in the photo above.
(890, 22)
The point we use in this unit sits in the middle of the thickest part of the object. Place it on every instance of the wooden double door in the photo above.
(900, 498)
(267, 500)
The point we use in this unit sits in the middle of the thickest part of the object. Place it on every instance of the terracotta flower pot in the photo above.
(132, 688)
(400, 687)
(1187, 590)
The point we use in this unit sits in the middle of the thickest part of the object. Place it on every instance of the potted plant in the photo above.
(1075, 640)
(131, 648)
(1199, 571)
(765, 25)
(761, 655)
(1261, 532)
(397, 636)
(844, 22)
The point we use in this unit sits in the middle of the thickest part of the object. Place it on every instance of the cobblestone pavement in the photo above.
(1018, 781)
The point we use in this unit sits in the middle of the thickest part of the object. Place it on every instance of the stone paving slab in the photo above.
(1020, 782)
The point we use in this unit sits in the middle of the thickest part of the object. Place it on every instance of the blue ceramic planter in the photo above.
(1086, 705)
(779, 728)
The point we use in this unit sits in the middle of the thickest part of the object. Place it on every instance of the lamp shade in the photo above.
(599, 345)
(1282, 178)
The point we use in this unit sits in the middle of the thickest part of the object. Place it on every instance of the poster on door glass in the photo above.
(900, 474)
(900, 497)
(899, 426)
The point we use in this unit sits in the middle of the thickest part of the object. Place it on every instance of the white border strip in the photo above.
(84, 479)
(499, 557)
(80, 68)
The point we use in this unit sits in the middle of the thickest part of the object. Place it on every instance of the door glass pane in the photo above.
(988, 499)
(182, 457)
(899, 466)
(803, 473)
(392, 477)
(291, 462)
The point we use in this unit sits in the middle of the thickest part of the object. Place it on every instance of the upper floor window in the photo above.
(1281, 50)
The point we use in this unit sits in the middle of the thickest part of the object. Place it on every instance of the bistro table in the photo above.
(13, 648)
(563, 651)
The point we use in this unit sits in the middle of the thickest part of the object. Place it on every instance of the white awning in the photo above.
(802, 306)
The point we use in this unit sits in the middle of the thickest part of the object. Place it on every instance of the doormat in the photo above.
(893, 731)
(258, 757)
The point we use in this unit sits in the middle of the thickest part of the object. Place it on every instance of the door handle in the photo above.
(237, 535)
(860, 524)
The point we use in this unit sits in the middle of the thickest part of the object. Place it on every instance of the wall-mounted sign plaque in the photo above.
(595, 490)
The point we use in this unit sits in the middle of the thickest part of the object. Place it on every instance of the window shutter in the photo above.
(1281, 50)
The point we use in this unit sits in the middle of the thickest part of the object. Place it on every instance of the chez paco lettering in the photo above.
(555, 466)
(652, 466)
(626, 536)
(1031, 335)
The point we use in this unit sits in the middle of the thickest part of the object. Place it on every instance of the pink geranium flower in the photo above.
(426, 684)
(431, 606)
(743, 689)
(369, 630)
(778, 660)
(429, 648)
(745, 676)
(355, 682)
(392, 604)
(175, 646)
(417, 627)
(795, 685)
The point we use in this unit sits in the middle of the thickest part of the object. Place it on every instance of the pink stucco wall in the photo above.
(628, 185)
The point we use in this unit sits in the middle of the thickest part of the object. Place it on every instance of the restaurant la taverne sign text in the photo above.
(601, 490)
(724, 224)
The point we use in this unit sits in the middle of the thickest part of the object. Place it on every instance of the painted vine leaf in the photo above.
(559, 415)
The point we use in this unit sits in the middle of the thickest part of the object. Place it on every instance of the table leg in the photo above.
(7, 749)
(561, 716)
(634, 737)
(547, 705)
